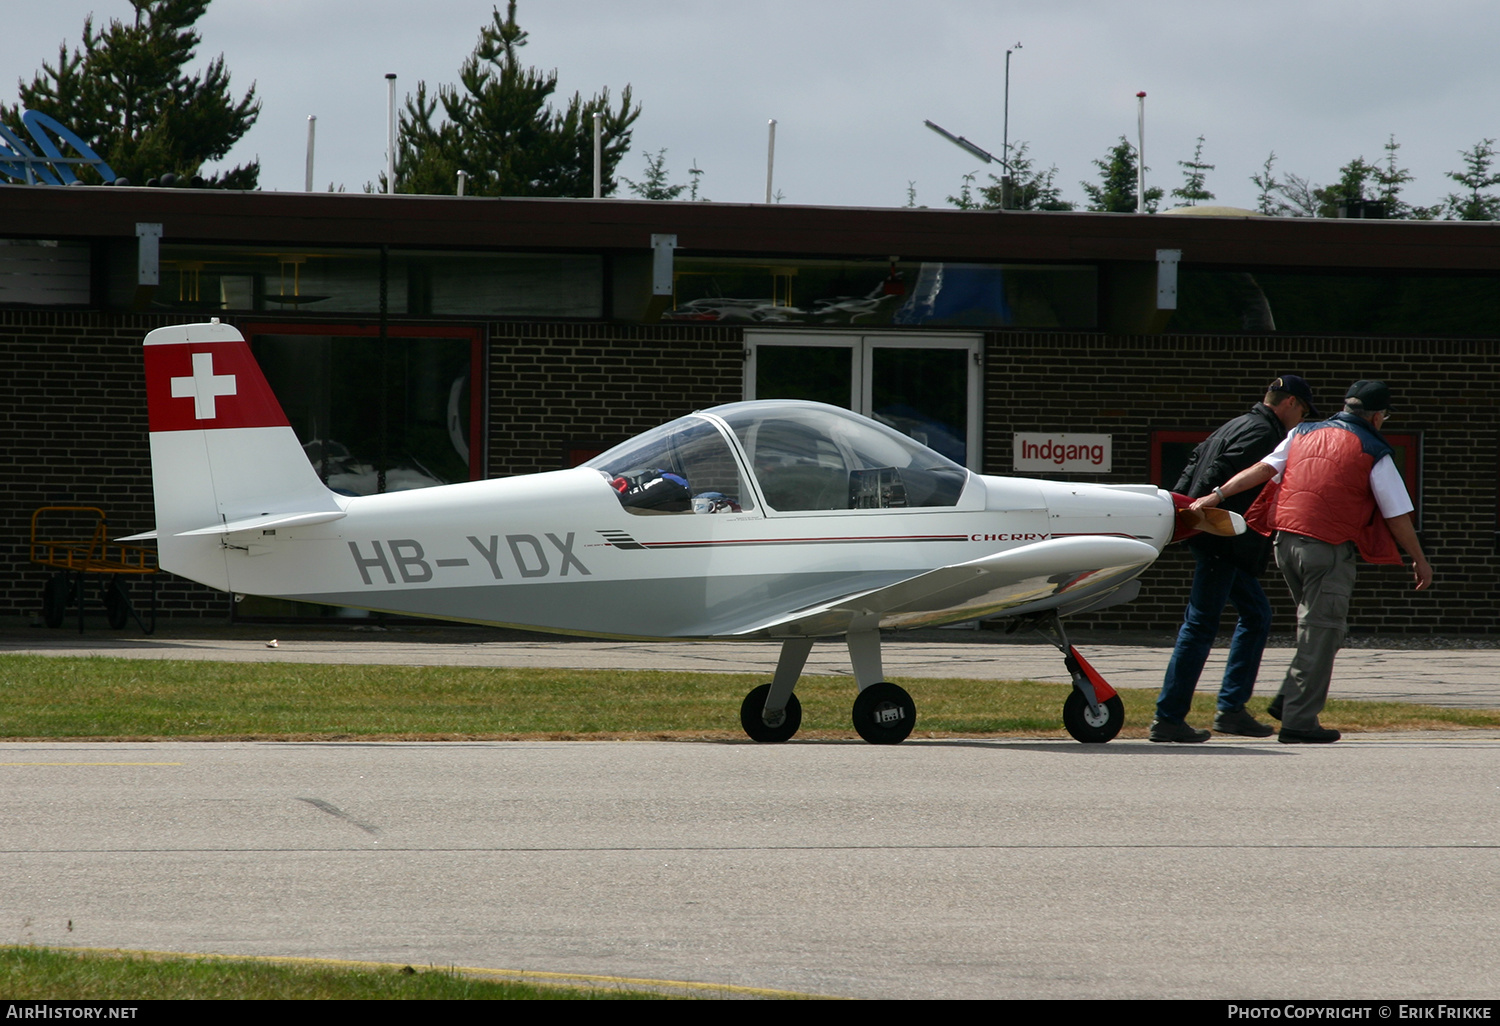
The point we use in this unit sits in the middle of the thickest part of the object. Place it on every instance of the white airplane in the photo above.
(769, 519)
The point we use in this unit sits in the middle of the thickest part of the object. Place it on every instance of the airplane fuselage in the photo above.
(536, 551)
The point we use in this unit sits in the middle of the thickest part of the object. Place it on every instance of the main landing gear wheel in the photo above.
(1093, 728)
(752, 716)
(116, 604)
(56, 594)
(884, 714)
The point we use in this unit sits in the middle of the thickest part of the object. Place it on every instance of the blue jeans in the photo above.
(1216, 582)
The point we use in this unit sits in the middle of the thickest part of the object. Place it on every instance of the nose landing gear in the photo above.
(1092, 712)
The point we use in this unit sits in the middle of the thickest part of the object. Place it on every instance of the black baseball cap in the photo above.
(1298, 388)
(1372, 396)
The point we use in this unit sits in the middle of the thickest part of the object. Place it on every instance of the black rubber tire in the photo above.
(116, 604)
(884, 714)
(1075, 719)
(755, 704)
(55, 595)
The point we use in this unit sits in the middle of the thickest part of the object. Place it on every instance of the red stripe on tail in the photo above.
(199, 385)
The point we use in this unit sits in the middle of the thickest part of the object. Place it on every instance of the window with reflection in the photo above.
(1310, 303)
(876, 293)
(377, 416)
(417, 282)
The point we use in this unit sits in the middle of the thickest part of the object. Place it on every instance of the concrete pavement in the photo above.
(1461, 672)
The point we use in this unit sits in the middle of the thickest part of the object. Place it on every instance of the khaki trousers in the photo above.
(1321, 579)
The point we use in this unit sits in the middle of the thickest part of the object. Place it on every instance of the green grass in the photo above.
(122, 699)
(29, 973)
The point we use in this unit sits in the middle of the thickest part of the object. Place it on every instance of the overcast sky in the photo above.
(851, 81)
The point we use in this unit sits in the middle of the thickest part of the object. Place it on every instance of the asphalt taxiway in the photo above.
(974, 869)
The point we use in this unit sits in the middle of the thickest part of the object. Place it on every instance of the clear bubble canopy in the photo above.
(802, 456)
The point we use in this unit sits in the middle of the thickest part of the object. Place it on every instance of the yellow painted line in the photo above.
(531, 976)
(92, 764)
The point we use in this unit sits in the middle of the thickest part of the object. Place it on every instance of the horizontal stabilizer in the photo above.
(266, 521)
(143, 536)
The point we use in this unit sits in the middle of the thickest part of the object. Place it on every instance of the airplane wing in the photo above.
(1058, 572)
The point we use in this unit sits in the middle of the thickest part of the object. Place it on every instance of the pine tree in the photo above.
(1269, 187)
(499, 126)
(1117, 181)
(1030, 189)
(653, 184)
(1477, 177)
(965, 199)
(1348, 192)
(1193, 173)
(1389, 180)
(124, 92)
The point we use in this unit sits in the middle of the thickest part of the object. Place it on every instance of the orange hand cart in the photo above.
(73, 541)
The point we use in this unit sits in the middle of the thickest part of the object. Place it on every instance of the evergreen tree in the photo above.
(124, 92)
(653, 184)
(1389, 180)
(1030, 189)
(1476, 177)
(499, 126)
(1193, 173)
(1117, 180)
(965, 199)
(1267, 203)
(1349, 191)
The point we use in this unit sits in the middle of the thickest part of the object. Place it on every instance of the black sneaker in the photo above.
(1316, 736)
(1166, 730)
(1274, 709)
(1242, 723)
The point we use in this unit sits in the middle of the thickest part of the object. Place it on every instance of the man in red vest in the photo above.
(1337, 497)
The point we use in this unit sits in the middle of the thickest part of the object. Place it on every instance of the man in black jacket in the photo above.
(1227, 571)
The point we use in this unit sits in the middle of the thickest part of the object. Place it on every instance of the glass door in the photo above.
(925, 386)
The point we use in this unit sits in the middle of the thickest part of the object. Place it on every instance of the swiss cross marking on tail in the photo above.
(203, 386)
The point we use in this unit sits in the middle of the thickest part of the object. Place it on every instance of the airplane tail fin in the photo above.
(223, 456)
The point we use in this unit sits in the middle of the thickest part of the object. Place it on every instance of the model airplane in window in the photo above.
(783, 520)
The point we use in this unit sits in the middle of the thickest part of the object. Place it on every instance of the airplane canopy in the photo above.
(802, 455)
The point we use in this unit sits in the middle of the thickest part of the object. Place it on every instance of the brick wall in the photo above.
(552, 385)
(73, 432)
(1129, 386)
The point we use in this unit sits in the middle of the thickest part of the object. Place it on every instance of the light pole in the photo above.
(1140, 153)
(962, 143)
(390, 133)
(1005, 139)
